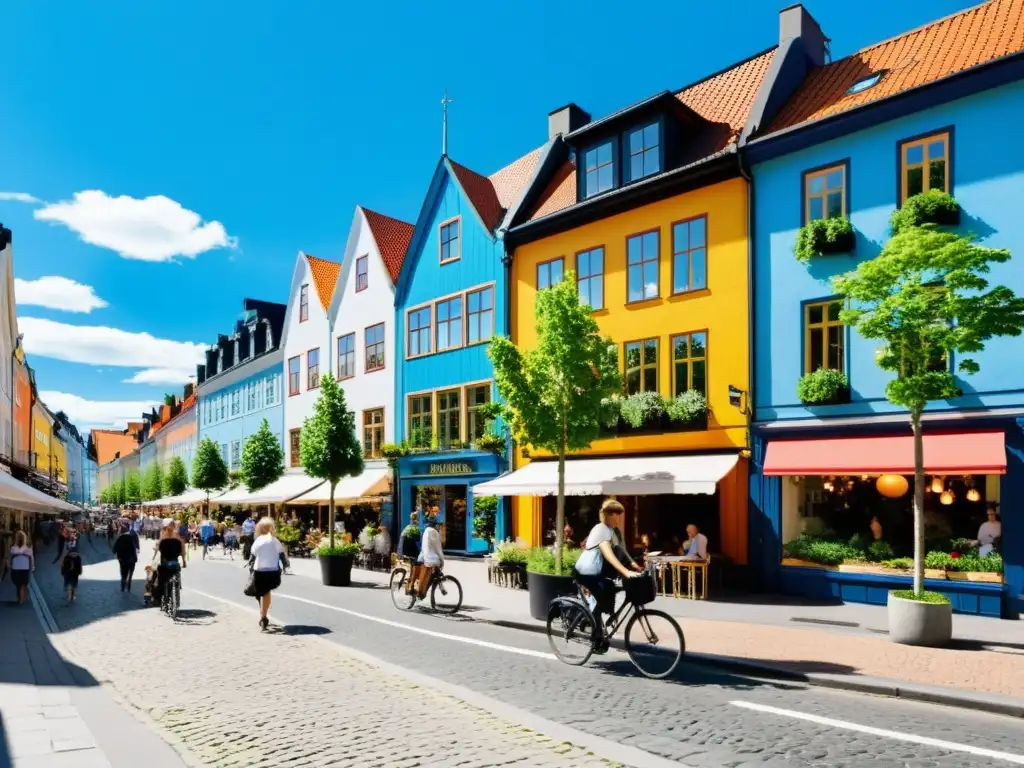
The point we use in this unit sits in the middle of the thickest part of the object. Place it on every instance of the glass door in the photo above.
(453, 535)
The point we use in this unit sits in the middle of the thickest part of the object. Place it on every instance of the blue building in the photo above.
(241, 382)
(450, 299)
(856, 138)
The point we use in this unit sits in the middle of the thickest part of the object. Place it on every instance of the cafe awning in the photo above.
(15, 494)
(285, 488)
(349, 490)
(638, 476)
(950, 453)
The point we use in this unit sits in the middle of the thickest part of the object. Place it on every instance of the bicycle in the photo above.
(445, 592)
(170, 601)
(656, 654)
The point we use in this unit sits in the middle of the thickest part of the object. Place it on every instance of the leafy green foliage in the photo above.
(899, 563)
(152, 482)
(348, 549)
(815, 550)
(687, 407)
(510, 553)
(879, 551)
(922, 596)
(931, 207)
(132, 487)
(209, 472)
(491, 442)
(992, 563)
(392, 452)
(554, 391)
(176, 477)
(543, 560)
(328, 445)
(289, 535)
(262, 459)
(822, 237)
(485, 511)
(823, 386)
(938, 561)
(611, 412)
(642, 408)
(963, 546)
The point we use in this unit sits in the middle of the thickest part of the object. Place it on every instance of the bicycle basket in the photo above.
(640, 590)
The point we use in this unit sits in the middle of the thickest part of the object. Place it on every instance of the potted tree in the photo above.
(925, 297)
(553, 395)
(330, 451)
(209, 472)
(262, 459)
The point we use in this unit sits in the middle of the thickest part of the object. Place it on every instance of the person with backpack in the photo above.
(126, 549)
(71, 568)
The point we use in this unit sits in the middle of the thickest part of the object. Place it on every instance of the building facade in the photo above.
(241, 383)
(8, 345)
(307, 346)
(855, 141)
(22, 413)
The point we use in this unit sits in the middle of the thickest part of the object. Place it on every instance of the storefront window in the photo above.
(421, 429)
(449, 411)
(477, 397)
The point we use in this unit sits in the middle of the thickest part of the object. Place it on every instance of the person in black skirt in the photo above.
(266, 566)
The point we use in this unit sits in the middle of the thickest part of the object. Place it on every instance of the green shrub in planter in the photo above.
(879, 551)
(510, 553)
(289, 535)
(542, 560)
(973, 564)
(643, 408)
(938, 561)
(963, 546)
(899, 563)
(339, 550)
(931, 207)
(823, 237)
(611, 410)
(491, 442)
(688, 407)
(392, 452)
(815, 550)
(923, 596)
(826, 386)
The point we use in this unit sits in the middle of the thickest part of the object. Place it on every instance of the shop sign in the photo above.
(450, 468)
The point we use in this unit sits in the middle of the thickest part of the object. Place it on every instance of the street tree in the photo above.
(328, 445)
(152, 482)
(176, 477)
(262, 459)
(132, 487)
(554, 391)
(209, 472)
(926, 298)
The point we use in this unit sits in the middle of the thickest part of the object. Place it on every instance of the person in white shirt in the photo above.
(22, 564)
(431, 555)
(266, 565)
(696, 546)
(989, 532)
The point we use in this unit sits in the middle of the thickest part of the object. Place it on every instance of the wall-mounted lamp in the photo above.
(737, 399)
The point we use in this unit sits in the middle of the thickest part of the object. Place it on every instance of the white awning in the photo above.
(191, 496)
(285, 488)
(349, 489)
(638, 475)
(236, 495)
(15, 494)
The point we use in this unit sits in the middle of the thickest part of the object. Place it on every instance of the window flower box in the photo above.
(824, 386)
(931, 207)
(824, 237)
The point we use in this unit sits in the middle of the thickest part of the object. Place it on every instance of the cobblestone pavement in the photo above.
(692, 718)
(233, 696)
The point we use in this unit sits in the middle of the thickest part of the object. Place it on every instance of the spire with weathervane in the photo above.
(444, 123)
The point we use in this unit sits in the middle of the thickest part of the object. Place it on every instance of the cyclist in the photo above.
(409, 549)
(171, 550)
(431, 555)
(600, 563)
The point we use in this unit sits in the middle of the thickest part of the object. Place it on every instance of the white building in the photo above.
(307, 345)
(363, 324)
(8, 342)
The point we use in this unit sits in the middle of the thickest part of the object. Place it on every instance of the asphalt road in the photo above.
(701, 717)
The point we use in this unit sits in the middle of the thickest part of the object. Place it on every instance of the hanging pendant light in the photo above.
(937, 484)
(947, 497)
(973, 494)
(892, 486)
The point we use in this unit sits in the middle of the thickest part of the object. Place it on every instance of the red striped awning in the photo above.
(954, 453)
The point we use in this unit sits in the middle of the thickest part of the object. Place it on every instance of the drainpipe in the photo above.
(751, 199)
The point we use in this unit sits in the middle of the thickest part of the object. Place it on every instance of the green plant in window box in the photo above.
(824, 237)
(963, 546)
(611, 413)
(392, 452)
(880, 551)
(491, 442)
(825, 386)
(899, 563)
(931, 207)
(689, 407)
(973, 564)
(938, 561)
(643, 409)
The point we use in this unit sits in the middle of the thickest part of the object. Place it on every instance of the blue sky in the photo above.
(264, 123)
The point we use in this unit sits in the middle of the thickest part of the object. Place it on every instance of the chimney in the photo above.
(566, 120)
(795, 22)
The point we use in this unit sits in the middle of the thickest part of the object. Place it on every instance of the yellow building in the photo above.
(649, 209)
(42, 439)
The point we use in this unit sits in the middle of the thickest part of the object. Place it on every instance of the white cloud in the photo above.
(161, 376)
(101, 346)
(154, 228)
(96, 413)
(57, 293)
(20, 197)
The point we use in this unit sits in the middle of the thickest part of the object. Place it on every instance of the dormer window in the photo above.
(304, 303)
(599, 169)
(644, 151)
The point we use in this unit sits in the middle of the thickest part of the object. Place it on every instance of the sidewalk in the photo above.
(846, 648)
(54, 713)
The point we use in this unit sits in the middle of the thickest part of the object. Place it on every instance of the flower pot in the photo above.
(912, 622)
(544, 588)
(335, 570)
(511, 575)
(986, 577)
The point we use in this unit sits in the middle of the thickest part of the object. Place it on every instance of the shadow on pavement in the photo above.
(299, 630)
(693, 673)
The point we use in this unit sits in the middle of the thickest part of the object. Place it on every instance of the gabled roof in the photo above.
(509, 181)
(110, 442)
(392, 237)
(939, 49)
(481, 193)
(325, 278)
(723, 99)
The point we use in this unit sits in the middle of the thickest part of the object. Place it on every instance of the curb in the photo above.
(876, 686)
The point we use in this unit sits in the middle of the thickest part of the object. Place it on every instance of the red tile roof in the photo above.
(325, 278)
(392, 237)
(723, 99)
(938, 49)
(510, 180)
(109, 442)
(481, 194)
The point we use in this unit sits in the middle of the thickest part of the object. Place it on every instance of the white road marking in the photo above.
(399, 625)
(951, 746)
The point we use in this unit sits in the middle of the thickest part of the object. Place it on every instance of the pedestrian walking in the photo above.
(231, 542)
(266, 567)
(71, 568)
(206, 533)
(126, 549)
(22, 564)
(248, 536)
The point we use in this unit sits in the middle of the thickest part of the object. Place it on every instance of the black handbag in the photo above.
(250, 587)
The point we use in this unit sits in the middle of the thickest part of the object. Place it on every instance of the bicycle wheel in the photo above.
(446, 595)
(402, 601)
(175, 598)
(654, 642)
(571, 631)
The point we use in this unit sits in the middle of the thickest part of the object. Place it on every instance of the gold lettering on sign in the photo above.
(451, 468)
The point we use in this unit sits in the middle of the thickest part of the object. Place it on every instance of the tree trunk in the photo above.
(915, 423)
(560, 510)
(331, 513)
